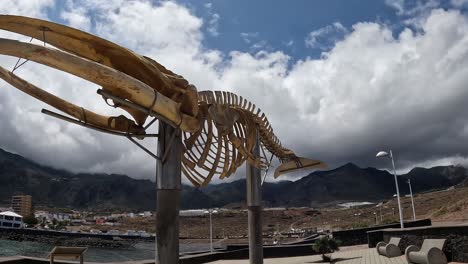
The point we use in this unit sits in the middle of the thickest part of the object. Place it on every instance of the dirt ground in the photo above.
(443, 207)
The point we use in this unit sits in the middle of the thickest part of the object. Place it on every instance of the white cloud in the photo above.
(213, 25)
(455, 160)
(398, 5)
(414, 12)
(325, 37)
(370, 91)
(76, 16)
(248, 37)
(411, 8)
(31, 8)
(213, 21)
(459, 3)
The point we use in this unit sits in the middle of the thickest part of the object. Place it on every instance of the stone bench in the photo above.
(391, 249)
(429, 253)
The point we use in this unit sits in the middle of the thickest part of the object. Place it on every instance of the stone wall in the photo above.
(358, 236)
(456, 246)
(52, 233)
(57, 238)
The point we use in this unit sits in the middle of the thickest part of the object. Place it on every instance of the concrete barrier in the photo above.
(358, 236)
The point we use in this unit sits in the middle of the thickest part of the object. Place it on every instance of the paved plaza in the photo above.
(351, 256)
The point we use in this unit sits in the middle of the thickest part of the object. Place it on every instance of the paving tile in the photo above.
(357, 256)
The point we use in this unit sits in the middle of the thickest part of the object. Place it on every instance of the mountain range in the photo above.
(60, 188)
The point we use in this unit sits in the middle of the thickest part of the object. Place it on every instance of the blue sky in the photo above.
(272, 25)
(251, 26)
(338, 80)
(280, 22)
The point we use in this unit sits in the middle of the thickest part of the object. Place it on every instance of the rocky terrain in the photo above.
(442, 207)
(108, 192)
(66, 240)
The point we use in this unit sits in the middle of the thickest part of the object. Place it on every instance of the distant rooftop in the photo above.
(9, 213)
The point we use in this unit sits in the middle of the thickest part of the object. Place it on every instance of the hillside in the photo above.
(60, 188)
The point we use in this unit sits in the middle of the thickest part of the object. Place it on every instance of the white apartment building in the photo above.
(11, 220)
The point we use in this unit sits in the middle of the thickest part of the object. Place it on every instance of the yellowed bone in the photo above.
(116, 82)
(297, 164)
(120, 123)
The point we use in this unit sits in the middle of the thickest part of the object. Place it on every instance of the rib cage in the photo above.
(219, 152)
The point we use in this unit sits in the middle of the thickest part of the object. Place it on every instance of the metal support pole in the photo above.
(211, 232)
(397, 191)
(412, 200)
(254, 204)
(381, 217)
(168, 184)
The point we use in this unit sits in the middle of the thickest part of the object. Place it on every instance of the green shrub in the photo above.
(326, 245)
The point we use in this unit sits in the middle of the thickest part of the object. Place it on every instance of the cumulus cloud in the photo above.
(398, 5)
(254, 41)
(414, 13)
(76, 16)
(248, 37)
(459, 3)
(374, 91)
(370, 90)
(325, 37)
(408, 8)
(213, 22)
(32, 8)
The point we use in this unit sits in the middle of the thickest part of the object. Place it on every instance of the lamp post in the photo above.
(385, 154)
(412, 200)
(210, 212)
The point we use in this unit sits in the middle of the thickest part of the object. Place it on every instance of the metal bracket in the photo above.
(17, 65)
(143, 148)
(19, 59)
(107, 95)
(150, 123)
(267, 169)
(84, 124)
(44, 29)
(262, 147)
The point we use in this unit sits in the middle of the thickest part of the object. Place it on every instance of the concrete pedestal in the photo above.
(254, 205)
(168, 185)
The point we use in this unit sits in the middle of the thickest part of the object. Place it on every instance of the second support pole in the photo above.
(168, 186)
(254, 204)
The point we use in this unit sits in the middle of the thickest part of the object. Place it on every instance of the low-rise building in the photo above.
(11, 220)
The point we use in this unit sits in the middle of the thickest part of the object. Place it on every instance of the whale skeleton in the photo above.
(219, 129)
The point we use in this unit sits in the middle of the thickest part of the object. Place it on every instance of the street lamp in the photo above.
(385, 154)
(412, 200)
(211, 211)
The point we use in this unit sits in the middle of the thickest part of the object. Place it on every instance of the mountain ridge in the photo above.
(60, 188)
